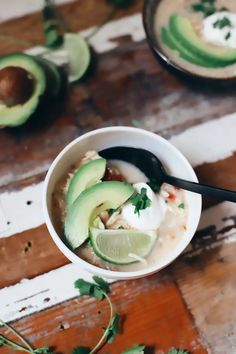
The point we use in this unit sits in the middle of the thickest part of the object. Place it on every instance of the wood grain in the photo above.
(208, 286)
(152, 311)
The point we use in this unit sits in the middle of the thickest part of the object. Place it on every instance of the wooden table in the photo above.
(191, 303)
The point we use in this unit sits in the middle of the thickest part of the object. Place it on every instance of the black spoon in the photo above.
(149, 164)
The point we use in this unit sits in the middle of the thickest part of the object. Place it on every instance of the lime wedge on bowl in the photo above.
(122, 246)
(78, 55)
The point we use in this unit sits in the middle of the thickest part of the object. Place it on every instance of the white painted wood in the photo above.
(104, 40)
(206, 142)
(21, 210)
(28, 296)
(10, 9)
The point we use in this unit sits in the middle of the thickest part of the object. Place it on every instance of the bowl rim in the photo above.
(119, 275)
(157, 50)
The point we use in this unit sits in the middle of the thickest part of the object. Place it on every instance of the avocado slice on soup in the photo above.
(89, 204)
(183, 31)
(182, 51)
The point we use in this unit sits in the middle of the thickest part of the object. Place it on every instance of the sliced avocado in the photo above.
(87, 175)
(182, 30)
(172, 43)
(18, 114)
(90, 203)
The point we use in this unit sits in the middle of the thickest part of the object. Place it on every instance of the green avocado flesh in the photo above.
(182, 37)
(117, 246)
(87, 175)
(172, 43)
(89, 204)
(17, 115)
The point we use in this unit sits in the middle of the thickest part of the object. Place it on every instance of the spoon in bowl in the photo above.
(152, 167)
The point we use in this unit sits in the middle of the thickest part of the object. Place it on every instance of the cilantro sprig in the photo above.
(140, 201)
(99, 290)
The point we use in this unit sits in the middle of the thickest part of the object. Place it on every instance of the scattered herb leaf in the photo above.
(140, 201)
(154, 185)
(178, 351)
(113, 329)
(52, 29)
(121, 228)
(228, 35)
(120, 3)
(102, 283)
(135, 349)
(112, 211)
(207, 7)
(181, 206)
(223, 8)
(222, 23)
(81, 350)
(89, 289)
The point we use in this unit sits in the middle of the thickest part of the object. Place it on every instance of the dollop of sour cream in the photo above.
(149, 218)
(225, 36)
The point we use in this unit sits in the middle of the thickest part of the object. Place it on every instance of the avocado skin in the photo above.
(183, 33)
(48, 84)
(184, 53)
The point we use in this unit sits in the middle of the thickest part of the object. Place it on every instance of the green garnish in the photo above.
(120, 3)
(223, 8)
(112, 211)
(222, 23)
(100, 290)
(135, 349)
(51, 25)
(140, 201)
(81, 350)
(26, 347)
(178, 351)
(207, 7)
(181, 206)
(154, 185)
(120, 228)
(228, 35)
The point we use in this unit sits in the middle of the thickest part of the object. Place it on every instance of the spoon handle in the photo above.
(211, 191)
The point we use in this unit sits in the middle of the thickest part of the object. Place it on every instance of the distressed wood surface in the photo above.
(188, 305)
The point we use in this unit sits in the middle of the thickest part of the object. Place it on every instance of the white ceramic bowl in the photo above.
(103, 138)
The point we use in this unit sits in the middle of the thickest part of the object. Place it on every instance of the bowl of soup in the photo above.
(110, 218)
(194, 37)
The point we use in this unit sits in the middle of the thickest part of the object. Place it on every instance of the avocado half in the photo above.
(18, 114)
(47, 84)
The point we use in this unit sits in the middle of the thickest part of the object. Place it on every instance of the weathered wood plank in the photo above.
(17, 34)
(207, 283)
(152, 310)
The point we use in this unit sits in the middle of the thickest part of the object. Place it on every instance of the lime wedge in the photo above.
(78, 55)
(122, 246)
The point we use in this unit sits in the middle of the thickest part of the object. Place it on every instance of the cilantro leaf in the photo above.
(44, 350)
(81, 350)
(52, 30)
(89, 289)
(228, 35)
(113, 329)
(140, 201)
(120, 3)
(178, 351)
(135, 349)
(102, 283)
(222, 23)
(181, 206)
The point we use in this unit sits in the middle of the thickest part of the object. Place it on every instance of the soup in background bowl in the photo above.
(195, 37)
(164, 217)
